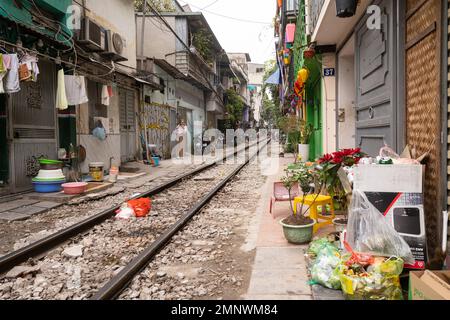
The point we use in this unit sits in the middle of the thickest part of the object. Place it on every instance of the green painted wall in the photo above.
(313, 88)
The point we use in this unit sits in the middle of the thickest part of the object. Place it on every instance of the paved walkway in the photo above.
(280, 269)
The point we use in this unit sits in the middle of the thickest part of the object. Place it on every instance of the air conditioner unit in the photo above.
(115, 45)
(92, 36)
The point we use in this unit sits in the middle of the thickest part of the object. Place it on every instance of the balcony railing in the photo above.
(315, 7)
(189, 65)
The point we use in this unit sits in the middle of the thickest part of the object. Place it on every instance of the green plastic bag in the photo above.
(321, 244)
(325, 263)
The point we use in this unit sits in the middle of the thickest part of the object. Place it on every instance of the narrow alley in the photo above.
(224, 158)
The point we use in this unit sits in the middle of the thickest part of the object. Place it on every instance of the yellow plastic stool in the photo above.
(313, 203)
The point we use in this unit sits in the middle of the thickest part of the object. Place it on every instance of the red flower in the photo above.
(348, 152)
(326, 158)
(337, 159)
(356, 151)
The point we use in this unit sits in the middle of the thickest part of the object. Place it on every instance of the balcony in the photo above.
(315, 7)
(328, 29)
(193, 67)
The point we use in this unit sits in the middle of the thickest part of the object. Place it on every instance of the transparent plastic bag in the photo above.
(323, 269)
(387, 152)
(368, 231)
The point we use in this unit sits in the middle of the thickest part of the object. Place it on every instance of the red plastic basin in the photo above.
(75, 187)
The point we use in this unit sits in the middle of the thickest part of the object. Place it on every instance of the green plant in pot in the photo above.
(298, 228)
(298, 135)
(332, 175)
(305, 134)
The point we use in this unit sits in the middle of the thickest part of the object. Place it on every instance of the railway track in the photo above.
(160, 236)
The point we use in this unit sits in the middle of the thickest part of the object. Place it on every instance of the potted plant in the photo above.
(298, 228)
(346, 8)
(306, 132)
(329, 168)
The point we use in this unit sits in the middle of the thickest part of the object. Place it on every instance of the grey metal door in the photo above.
(375, 76)
(127, 125)
(33, 126)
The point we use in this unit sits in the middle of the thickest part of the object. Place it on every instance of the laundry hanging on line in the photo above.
(61, 97)
(107, 93)
(3, 72)
(29, 69)
(12, 82)
(75, 90)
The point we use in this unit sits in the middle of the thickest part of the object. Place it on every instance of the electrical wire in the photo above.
(210, 5)
(229, 17)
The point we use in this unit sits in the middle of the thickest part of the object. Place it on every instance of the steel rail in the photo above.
(34, 249)
(118, 283)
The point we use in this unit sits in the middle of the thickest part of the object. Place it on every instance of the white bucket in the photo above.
(303, 151)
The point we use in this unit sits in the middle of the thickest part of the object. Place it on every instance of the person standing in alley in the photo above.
(181, 132)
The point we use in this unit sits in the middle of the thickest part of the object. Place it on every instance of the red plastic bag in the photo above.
(140, 206)
(362, 259)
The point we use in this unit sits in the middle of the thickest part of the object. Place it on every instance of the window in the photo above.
(259, 70)
(96, 108)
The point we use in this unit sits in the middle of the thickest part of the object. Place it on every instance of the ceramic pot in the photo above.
(298, 234)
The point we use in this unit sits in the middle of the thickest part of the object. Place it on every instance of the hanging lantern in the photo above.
(287, 56)
(309, 53)
(303, 74)
(290, 32)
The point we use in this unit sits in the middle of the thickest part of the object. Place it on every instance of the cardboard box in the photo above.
(396, 191)
(429, 285)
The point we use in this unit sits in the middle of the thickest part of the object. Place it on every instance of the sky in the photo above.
(253, 37)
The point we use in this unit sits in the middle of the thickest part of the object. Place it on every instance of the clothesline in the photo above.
(79, 68)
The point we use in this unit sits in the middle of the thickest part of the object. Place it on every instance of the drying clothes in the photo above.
(110, 91)
(61, 97)
(7, 61)
(24, 73)
(105, 95)
(3, 72)
(32, 65)
(76, 90)
(12, 83)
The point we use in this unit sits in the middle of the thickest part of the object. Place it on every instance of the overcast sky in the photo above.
(239, 36)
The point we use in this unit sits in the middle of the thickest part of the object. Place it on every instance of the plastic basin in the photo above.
(50, 174)
(47, 187)
(75, 187)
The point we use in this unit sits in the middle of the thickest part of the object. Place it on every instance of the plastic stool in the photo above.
(313, 204)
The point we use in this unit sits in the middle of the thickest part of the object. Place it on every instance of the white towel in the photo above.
(12, 83)
(105, 95)
(76, 90)
(61, 97)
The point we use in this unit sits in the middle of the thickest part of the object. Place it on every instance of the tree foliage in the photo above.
(204, 43)
(235, 108)
(160, 5)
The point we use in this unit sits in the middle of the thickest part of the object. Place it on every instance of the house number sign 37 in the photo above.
(329, 72)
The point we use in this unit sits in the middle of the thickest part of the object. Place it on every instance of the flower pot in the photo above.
(346, 8)
(339, 225)
(303, 151)
(298, 234)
